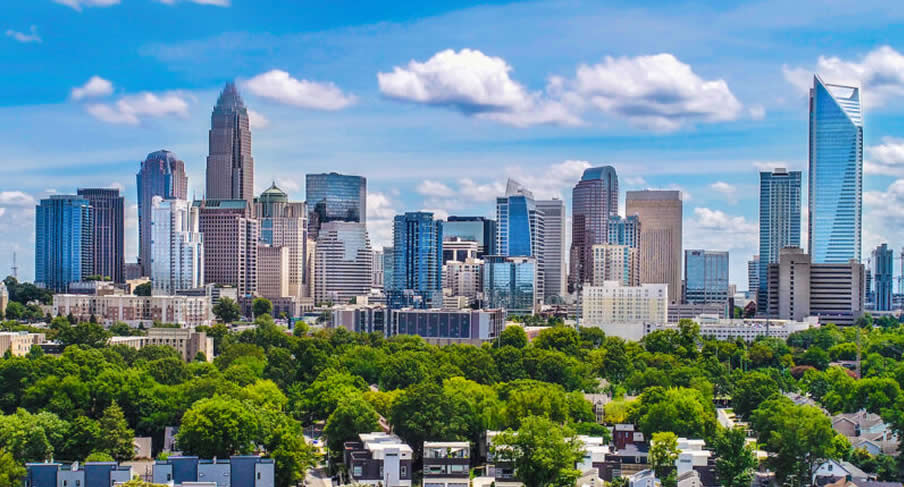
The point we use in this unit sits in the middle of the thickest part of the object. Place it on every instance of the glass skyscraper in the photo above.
(335, 197)
(109, 238)
(417, 256)
(510, 283)
(161, 174)
(64, 241)
(593, 201)
(883, 264)
(475, 229)
(230, 167)
(706, 276)
(624, 231)
(836, 172)
(520, 227)
(779, 222)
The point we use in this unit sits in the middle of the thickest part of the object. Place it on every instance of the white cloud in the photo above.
(131, 109)
(771, 165)
(656, 92)
(78, 4)
(31, 36)
(634, 180)
(288, 184)
(725, 189)
(257, 120)
(279, 86)
(883, 216)
(474, 84)
(757, 112)
(16, 198)
(380, 213)
(94, 87)
(880, 72)
(434, 189)
(886, 158)
(717, 230)
(438, 213)
(552, 181)
(480, 192)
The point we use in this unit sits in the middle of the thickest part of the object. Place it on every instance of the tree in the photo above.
(261, 306)
(227, 310)
(424, 412)
(544, 453)
(352, 417)
(15, 311)
(143, 289)
(99, 456)
(513, 335)
(685, 412)
(85, 334)
(750, 390)
(116, 438)
(663, 453)
(564, 339)
(735, 460)
(218, 427)
(11, 471)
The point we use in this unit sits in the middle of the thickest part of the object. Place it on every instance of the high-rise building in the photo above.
(779, 220)
(475, 229)
(624, 231)
(231, 237)
(510, 283)
(457, 249)
(554, 271)
(177, 248)
(377, 280)
(283, 224)
(64, 241)
(615, 263)
(520, 229)
(622, 310)
(161, 174)
(388, 256)
(343, 262)
(230, 167)
(593, 201)
(462, 278)
(417, 254)
(836, 172)
(706, 277)
(753, 275)
(660, 215)
(335, 197)
(109, 237)
(273, 272)
(883, 263)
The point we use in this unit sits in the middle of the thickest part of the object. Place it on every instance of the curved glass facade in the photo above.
(836, 172)
(335, 197)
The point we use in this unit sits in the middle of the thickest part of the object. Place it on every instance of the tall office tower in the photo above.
(753, 275)
(520, 229)
(377, 280)
(177, 248)
(283, 225)
(660, 214)
(883, 263)
(64, 241)
(335, 197)
(457, 249)
(462, 278)
(615, 263)
(273, 272)
(554, 268)
(231, 237)
(511, 283)
(593, 201)
(161, 174)
(388, 256)
(475, 229)
(624, 231)
(836, 173)
(109, 238)
(230, 167)
(417, 255)
(779, 220)
(705, 276)
(343, 264)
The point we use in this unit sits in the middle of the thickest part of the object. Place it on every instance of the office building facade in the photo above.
(622, 311)
(463, 278)
(753, 276)
(593, 201)
(475, 229)
(230, 167)
(660, 215)
(615, 263)
(510, 283)
(343, 262)
(231, 237)
(335, 197)
(283, 224)
(836, 173)
(883, 267)
(177, 247)
(161, 174)
(64, 241)
(417, 260)
(624, 231)
(706, 276)
(520, 229)
(779, 220)
(109, 231)
(447, 326)
(555, 278)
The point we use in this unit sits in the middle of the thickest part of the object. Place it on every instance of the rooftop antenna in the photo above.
(15, 268)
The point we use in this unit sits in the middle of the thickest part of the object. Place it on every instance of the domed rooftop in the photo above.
(274, 195)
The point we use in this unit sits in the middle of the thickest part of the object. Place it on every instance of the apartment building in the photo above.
(185, 340)
(19, 343)
(446, 463)
(379, 459)
(236, 471)
(91, 474)
(187, 311)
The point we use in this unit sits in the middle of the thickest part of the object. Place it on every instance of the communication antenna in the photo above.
(15, 268)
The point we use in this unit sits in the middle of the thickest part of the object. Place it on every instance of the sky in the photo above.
(438, 103)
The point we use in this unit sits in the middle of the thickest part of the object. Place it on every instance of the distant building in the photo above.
(91, 474)
(475, 229)
(162, 174)
(681, 311)
(445, 326)
(4, 298)
(177, 247)
(109, 231)
(555, 273)
(594, 200)
(624, 231)
(64, 241)
(231, 236)
(335, 197)
(212, 291)
(780, 211)
(186, 341)
(230, 166)
(511, 283)
(343, 262)
(883, 268)
(463, 278)
(446, 463)
(378, 274)
(455, 248)
(387, 266)
(661, 215)
(753, 276)
(706, 277)
(748, 329)
(359, 318)
(187, 311)
(417, 254)
(19, 343)
(615, 263)
(379, 459)
(273, 272)
(235, 471)
(283, 224)
(520, 229)
(622, 311)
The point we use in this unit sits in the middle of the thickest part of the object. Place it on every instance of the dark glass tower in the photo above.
(335, 197)
(883, 263)
(109, 241)
(417, 255)
(230, 167)
(161, 174)
(64, 251)
(475, 229)
(593, 201)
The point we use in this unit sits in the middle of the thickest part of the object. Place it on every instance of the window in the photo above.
(356, 470)
(65, 482)
(404, 470)
(169, 477)
(258, 476)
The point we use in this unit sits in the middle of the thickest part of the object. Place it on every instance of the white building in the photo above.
(273, 272)
(188, 311)
(747, 329)
(177, 249)
(623, 311)
(379, 459)
(462, 278)
(186, 341)
(343, 262)
(616, 263)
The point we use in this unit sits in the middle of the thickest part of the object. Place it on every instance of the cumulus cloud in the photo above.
(729, 191)
(886, 158)
(380, 212)
(131, 109)
(281, 87)
(434, 189)
(715, 229)
(94, 87)
(634, 180)
(257, 120)
(880, 72)
(656, 92)
(23, 37)
(79, 4)
(480, 192)
(475, 84)
(552, 181)
(16, 198)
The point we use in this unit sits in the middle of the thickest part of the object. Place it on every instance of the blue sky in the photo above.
(437, 103)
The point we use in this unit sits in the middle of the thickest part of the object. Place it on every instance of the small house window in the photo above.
(404, 470)
(258, 476)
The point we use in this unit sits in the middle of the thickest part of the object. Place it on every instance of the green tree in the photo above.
(11, 471)
(735, 460)
(350, 418)
(261, 306)
(424, 412)
(99, 456)
(513, 335)
(85, 334)
(683, 411)
(227, 310)
(662, 456)
(218, 426)
(560, 338)
(750, 390)
(115, 438)
(544, 453)
(15, 311)
(143, 289)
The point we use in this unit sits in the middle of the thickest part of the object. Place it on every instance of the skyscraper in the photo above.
(388, 256)
(705, 276)
(161, 174)
(283, 225)
(109, 238)
(836, 173)
(230, 243)
(230, 167)
(335, 197)
(417, 254)
(779, 221)
(343, 265)
(511, 283)
(554, 271)
(64, 238)
(593, 201)
(177, 249)
(475, 229)
(624, 231)
(753, 275)
(612, 262)
(520, 228)
(660, 215)
(883, 263)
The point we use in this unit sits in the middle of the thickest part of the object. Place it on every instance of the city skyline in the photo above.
(547, 159)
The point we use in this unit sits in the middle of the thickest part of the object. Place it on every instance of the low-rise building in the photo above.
(236, 471)
(360, 318)
(747, 329)
(135, 310)
(185, 340)
(379, 459)
(681, 311)
(19, 343)
(868, 431)
(445, 326)
(446, 463)
(91, 474)
(622, 310)
(834, 470)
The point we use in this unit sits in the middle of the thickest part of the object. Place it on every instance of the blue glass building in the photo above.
(836, 173)
(705, 276)
(520, 228)
(779, 221)
(335, 197)
(510, 283)
(64, 244)
(475, 229)
(417, 256)
(883, 263)
(624, 231)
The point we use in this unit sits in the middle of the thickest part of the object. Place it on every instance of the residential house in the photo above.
(91, 474)
(447, 464)
(832, 471)
(236, 471)
(379, 459)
